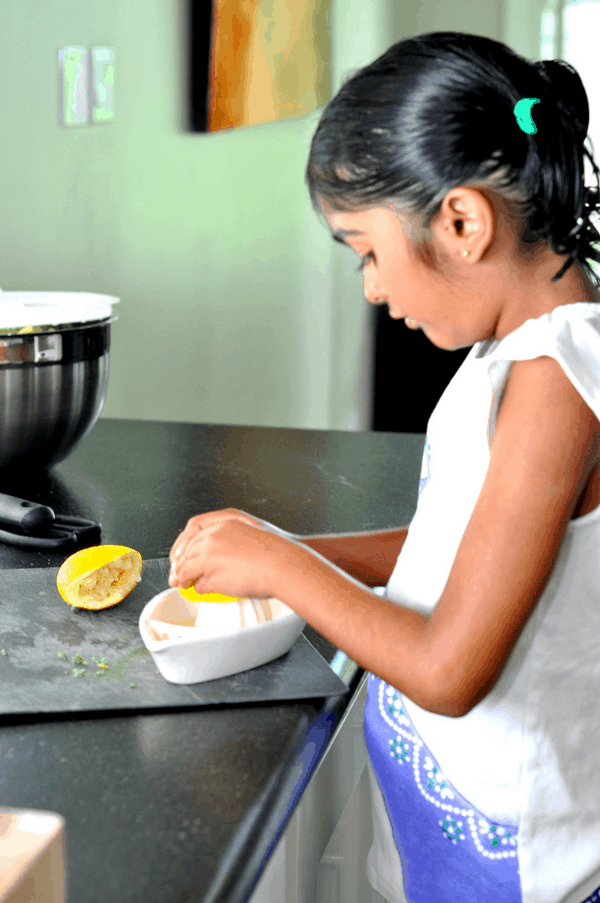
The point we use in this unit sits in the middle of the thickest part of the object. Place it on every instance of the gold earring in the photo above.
(466, 253)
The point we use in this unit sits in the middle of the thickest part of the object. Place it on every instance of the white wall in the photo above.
(236, 307)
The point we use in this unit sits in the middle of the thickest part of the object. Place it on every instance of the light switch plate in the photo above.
(73, 79)
(102, 84)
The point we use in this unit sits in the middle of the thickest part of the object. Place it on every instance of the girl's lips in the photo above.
(412, 324)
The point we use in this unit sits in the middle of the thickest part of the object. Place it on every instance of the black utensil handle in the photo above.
(81, 526)
(21, 513)
(67, 531)
(76, 523)
(39, 542)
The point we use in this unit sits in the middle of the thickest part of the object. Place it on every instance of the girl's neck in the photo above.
(538, 295)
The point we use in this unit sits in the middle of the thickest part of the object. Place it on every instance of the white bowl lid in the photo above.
(52, 308)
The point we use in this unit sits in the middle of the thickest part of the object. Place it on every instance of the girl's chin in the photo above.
(445, 345)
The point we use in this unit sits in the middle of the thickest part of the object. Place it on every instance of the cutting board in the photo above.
(36, 624)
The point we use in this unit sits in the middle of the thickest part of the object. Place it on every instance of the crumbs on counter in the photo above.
(79, 660)
(102, 664)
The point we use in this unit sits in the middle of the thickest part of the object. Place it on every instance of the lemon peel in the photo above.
(99, 576)
(192, 596)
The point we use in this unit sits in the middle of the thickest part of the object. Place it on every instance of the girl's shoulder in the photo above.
(567, 329)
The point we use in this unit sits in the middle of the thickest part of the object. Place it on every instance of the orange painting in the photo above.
(269, 60)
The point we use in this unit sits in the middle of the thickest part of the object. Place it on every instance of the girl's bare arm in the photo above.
(544, 447)
(368, 557)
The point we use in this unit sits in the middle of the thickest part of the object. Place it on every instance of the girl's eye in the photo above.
(364, 261)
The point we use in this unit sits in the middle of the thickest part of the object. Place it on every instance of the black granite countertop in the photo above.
(186, 805)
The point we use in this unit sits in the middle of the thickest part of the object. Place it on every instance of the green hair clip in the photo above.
(522, 112)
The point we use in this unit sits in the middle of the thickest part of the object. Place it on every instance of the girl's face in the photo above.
(489, 293)
(394, 275)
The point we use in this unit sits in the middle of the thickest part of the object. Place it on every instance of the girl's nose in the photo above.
(374, 291)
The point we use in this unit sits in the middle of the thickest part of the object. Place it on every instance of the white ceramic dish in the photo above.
(183, 655)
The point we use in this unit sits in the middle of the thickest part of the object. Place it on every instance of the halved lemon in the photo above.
(99, 576)
(192, 596)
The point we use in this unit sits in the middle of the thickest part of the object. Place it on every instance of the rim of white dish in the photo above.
(145, 615)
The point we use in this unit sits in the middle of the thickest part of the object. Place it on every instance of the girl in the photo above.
(472, 222)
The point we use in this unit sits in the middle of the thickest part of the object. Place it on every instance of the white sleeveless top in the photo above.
(529, 753)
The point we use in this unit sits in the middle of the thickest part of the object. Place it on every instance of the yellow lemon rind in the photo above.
(192, 596)
(84, 563)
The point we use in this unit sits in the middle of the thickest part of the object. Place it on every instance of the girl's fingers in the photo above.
(202, 521)
(230, 556)
(199, 528)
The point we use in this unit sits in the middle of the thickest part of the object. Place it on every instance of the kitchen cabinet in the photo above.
(212, 803)
(292, 873)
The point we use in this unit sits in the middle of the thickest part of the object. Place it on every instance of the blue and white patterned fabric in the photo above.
(449, 850)
(525, 758)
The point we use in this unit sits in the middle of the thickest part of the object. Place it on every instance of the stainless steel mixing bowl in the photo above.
(52, 390)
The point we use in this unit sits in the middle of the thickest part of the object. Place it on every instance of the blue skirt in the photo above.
(449, 850)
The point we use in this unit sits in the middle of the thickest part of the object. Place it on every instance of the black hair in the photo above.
(436, 111)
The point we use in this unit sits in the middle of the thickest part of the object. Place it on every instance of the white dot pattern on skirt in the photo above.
(393, 714)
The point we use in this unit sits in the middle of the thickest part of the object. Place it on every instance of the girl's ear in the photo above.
(466, 221)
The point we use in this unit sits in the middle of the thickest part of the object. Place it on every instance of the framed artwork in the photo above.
(257, 61)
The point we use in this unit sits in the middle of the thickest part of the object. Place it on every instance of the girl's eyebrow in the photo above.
(341, 234)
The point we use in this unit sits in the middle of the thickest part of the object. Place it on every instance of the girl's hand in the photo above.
(213, 517)
(228, 552)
